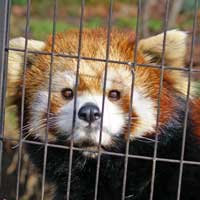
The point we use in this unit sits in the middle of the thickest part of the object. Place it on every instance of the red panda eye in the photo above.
(67, 93)
(114, 95)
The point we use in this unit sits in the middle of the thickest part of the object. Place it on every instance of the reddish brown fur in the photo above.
(195, 110)
(94, 46)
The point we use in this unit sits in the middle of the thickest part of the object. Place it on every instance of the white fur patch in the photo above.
(62, 79)
(38, 108)
(113, 120)
(120, 77)
(145, 109)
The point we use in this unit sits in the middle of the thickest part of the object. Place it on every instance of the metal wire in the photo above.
(159, 98)
(4, 35)
(152, 65)
(4, 40)
(49, 99)
(187, 101)
(23, 98)
(75, 97)
(103, 98)
(4, 49)
(103, 152)
(131, 100)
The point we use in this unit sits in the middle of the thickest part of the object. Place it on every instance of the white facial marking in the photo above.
(145, 109)
(38, 108)
(121, 77)
(63, 79)
(113, 120)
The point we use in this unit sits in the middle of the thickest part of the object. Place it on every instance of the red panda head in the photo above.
(88, 105)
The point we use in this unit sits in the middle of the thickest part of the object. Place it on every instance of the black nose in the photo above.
(89, 112)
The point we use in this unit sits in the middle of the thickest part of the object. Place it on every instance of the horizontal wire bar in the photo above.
(102, 152)
(181, 68)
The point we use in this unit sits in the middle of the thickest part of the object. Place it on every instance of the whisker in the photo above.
(145, 138)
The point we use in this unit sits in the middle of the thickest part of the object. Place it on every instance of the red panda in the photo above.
(114, 135)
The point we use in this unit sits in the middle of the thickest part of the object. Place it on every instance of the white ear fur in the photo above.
(175, 47)
(175, 51)
(33, 45)
(16, 60)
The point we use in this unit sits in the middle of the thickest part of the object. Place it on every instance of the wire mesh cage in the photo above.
(22, 180)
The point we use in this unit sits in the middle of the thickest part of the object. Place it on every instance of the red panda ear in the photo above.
(15, 63)
(175, 51)
(175, 48)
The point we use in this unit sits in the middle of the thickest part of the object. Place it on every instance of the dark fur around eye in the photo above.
(67, 93)
(114, 95)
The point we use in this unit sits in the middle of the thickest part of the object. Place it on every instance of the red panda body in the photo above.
(86, 131)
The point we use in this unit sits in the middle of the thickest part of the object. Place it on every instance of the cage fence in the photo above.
(17, 173)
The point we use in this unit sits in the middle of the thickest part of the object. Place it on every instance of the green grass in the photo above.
(93, 22)
(19, 2)
(41, 19)
(155, 25)
(92, 2)
(40, 29)
(127, 22)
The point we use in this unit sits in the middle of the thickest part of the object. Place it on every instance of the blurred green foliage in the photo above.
(19, 2)
(189, 5)
(40, 29)
(92, 2)
(93, 22)
(155, 25)
(125, 22)
(69, 17)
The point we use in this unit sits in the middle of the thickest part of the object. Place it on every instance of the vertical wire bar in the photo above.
(3, 22)
(75, 98)
(49, 99)
(131, 100)
(187, 100)
(159, 97)
(23, 98)
(4, 29)
(4, 18)
(4, 81)
(103, 98)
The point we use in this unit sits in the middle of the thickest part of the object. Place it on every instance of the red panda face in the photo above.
(89, 114)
